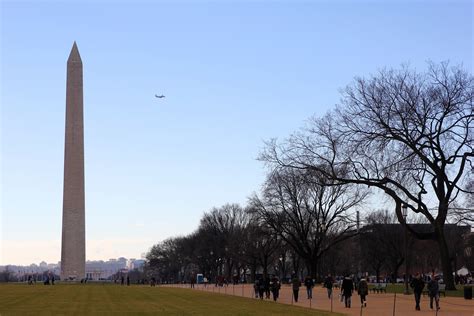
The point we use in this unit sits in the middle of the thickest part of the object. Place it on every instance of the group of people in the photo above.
(348, 288)
(122, 280)
(265, 286)
(418, 284)
(48, 280)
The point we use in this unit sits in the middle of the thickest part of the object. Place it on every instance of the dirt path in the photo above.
(377, 304)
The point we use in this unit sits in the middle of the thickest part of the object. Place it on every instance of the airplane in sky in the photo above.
(159, 96)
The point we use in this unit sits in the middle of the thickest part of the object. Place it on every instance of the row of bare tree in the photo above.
(232, 243)
(405, 134)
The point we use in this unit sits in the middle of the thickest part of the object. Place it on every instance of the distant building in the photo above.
(95, 270)
(136, 264)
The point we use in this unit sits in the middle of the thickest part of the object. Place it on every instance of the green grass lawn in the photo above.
(400, 288)
(114, 299)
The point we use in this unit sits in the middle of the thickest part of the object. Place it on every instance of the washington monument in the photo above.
(73, 247)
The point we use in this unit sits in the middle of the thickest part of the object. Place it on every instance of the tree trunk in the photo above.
(397, 266)
(265, 266)
(445, 258)
(253, 270)
(312, 266)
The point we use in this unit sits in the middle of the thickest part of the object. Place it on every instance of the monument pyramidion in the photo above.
(73, 246)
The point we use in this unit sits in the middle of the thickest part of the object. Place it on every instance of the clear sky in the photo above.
(234, 74)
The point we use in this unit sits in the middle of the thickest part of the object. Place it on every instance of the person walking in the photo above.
(275, 287)
(417, 284)
(128, 280)
(347, 288)
(256, 287)
(363, 290)
(122, 280)
(433, 290)
(261, 288)
(309, 283)
(328, 284)
(266, 283)
(296, 283)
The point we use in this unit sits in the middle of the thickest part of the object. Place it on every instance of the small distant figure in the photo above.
(46, 280)
(256, 287)
(122, 279)
(328, 284)
(363, 290)
(261, 288)
(275, 288)
(309, 283)
(153, 281)
(266, 283)
(347, 288)
(193, 280)
(296, 283)
(30, 280)
(52, 279)
(128, 280)
(433, 289)
(417, 284)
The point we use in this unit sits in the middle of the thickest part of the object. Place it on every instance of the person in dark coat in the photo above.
(296, 283)
(433, 290)
(309, 283)
(256, 287)
(122, 280)
(128, 280)
(417, 284)
(347, 288)
(266, 283)
(261, 288)
(363, 290)
(328, 284)
(275, 288)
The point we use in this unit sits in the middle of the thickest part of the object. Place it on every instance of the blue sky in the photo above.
(235, 73)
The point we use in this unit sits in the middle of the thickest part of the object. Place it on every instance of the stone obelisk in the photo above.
(73, 247)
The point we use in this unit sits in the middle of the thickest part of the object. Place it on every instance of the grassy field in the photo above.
(400, 288)
(102, 299)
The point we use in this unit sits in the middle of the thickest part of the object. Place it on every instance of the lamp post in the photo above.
(323, 231)
(211, 268)
(404, 214)
(282, 270)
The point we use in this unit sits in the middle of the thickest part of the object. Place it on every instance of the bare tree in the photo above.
(225, 227)
(166, 260)
(308, 216)
(383, 243)
(408, 134)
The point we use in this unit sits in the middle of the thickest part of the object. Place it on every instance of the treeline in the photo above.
(401, 133)
(231, 243)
